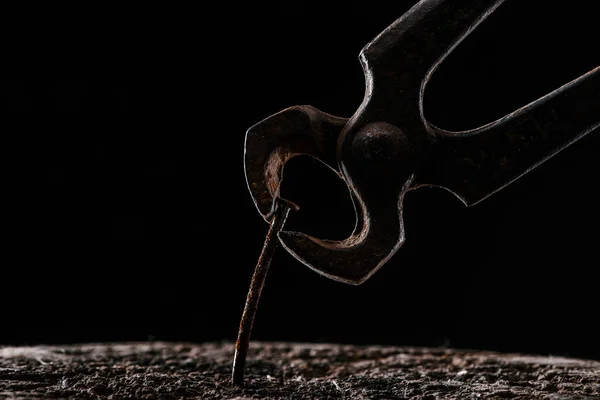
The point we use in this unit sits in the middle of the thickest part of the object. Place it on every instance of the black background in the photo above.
(129, 218)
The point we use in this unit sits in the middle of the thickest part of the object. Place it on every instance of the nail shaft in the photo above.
(256, 285)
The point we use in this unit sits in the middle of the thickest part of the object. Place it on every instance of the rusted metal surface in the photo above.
(280, 214)
(388, 148)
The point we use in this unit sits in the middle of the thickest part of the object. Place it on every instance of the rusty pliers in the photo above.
(388, 148)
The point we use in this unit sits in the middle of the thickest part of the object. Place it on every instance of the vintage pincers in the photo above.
(388, 148)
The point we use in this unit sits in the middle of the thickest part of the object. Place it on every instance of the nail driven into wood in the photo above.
(256, 285)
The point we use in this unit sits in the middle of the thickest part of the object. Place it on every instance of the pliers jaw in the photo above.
(373, 164)
(271, 143)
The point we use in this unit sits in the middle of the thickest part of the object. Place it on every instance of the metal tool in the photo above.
(388, 148)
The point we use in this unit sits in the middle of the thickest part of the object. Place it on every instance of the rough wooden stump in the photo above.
(288, 371)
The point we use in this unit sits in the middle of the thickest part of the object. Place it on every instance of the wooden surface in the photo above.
(157, 370)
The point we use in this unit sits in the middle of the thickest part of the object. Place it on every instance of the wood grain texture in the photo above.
(158, 370)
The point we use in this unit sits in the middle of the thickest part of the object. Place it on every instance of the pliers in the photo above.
(388, 148)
